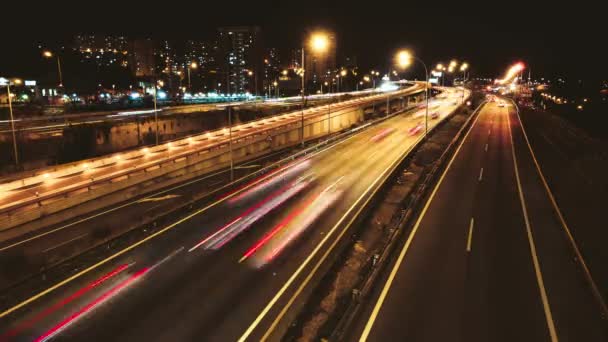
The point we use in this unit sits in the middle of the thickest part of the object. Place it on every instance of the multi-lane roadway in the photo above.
(488, 259)
(231, 270)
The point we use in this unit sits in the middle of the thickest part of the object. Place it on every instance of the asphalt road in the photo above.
(227, 271)
(487, 260)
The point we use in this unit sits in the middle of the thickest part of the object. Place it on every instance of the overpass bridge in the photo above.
(42, 197)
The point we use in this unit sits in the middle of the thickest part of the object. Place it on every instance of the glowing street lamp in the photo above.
(404, 57)
(319, 43)
(8, 83)
(192, 65)
(49, 54)
(463, 68)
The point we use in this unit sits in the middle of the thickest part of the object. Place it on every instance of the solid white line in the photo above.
(535, 262)
(470, 239)
(64, 243)
(583, 264)
(406, 247)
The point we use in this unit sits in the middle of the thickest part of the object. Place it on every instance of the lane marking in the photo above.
(247, 167)
(150, 237)
(539, 276)
(596, 292)
(470, 238)
(18, 243)
(157, 199)
(307, 260)
(486, 148)
(64, 243)
(481, 174)
(391, 278)
(319, 263)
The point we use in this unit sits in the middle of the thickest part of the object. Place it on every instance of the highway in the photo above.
(487, 259)
(231, 269)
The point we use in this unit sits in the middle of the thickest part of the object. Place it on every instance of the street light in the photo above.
(319, 43)
(10, 110)
(405, 58)
(463, 68)
(192, 65)
(49, 54)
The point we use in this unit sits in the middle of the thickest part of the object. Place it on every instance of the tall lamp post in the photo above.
(49, 54)
(10, 110)
(463, 68)
(404, 59)
(192, 65)
(318, 43)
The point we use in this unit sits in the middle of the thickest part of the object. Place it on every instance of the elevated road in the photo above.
(233, 269)
(61, 182)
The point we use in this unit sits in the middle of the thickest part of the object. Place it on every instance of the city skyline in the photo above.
(535, 33)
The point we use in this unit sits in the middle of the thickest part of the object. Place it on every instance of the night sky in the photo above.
(554, 40)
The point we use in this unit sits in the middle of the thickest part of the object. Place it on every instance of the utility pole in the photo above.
(10, 109)
(155, 111)
(303, 95)
(230, 143)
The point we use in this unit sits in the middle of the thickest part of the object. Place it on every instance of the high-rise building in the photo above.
(142, 58)
(199, 52)
(102, 50)
(169, 62)
(272, 68)
(319, 64)
(204, 54)
(240, 58)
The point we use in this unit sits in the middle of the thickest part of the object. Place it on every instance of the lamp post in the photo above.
(230, 143)
(319, 43)
(10, 110)
(276, 87)
(343, 74)
(404, 59)
(192, 65)
(49, 54)
(463, 68)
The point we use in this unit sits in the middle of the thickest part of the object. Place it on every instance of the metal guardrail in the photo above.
(293, 120)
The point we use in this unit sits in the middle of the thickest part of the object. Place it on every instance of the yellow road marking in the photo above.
(470, 239)
(321, 260)
(117, 254)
